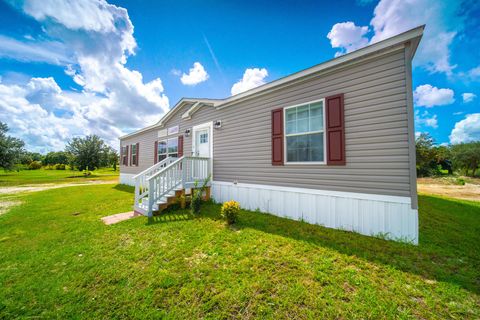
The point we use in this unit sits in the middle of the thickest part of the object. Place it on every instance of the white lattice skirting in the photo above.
(369, 214)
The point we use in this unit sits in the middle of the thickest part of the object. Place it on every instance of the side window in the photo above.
(162, 150)
(167, 148)
(304, 133)
(134, 154)
(172, 145)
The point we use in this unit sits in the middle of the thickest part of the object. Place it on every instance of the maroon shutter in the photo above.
(126, 156)
(277, 137)
(335, 130)
(155, 152)
(137, 160)
(180, 146)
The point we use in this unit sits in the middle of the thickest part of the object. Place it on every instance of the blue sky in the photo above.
(70, 68)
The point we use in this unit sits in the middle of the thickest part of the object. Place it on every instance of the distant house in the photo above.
(331, 145)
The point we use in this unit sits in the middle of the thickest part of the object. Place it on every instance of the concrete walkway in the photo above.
(119, 217)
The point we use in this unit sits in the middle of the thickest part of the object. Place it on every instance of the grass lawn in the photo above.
(59, 261)
(41, 176)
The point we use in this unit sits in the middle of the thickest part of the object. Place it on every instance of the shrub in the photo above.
(49, 167)
(34, 165)
(196, 201)
(230, 210)
(460, 181)
(197, 194)
(59, 166)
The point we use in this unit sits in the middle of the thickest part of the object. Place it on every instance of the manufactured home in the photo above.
(332, 145)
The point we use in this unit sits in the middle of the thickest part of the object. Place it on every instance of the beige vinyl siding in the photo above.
(147, 139)
(145, 155)
(376, 132)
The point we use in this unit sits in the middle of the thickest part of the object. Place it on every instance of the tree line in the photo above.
(88, 153)
(433, 160)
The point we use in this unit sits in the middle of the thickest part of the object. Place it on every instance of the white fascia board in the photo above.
(381, 47)
(188, 114)
(413, 35)
(172, 112)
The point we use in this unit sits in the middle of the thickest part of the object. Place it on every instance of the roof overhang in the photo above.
(197, 103)
(411, 37)
(187, 115)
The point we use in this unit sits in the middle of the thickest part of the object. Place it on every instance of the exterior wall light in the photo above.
(217, 124)
(187, 132)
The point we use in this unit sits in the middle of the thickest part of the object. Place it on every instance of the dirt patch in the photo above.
(41, 187)
(5, 205)
(119, 217)
(467, 192)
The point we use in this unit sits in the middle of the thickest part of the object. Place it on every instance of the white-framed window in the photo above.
(204, 137)
(134, 154)
(305, 133)
(167, 148)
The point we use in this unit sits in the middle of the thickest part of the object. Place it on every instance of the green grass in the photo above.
(59, 261)
(23, 177)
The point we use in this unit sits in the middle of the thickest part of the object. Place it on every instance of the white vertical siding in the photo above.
(389, 216)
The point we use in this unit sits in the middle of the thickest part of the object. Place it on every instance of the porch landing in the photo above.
(119, 217)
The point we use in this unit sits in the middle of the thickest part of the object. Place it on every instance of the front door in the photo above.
(202, 143)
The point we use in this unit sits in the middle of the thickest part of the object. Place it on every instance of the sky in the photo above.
(71, 68)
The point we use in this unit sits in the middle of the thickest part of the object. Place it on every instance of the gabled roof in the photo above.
(197, 103)
(412, 36)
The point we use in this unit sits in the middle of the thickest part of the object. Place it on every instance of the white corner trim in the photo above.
(369, 214)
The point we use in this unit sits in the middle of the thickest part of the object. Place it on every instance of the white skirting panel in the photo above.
(369, 214)
(127, 178)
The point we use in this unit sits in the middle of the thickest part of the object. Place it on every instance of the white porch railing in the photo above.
(177, 174)
(141, 183)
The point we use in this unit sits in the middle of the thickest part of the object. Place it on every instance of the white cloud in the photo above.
(425, 119)
(51, 52)
(176, 72)
(114, 99)
(196, 75)
(392, 17)
(75, 15)
(46, 117)
(429, 96)
(347, 36)
(467, 129)
(474, 73)
(468, 97)
(253, 77)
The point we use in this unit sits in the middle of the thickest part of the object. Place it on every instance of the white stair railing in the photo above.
(179, 173)
(163, 182)
(141, 183)
(196, 169)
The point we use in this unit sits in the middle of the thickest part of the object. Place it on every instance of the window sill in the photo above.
(305, 163)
